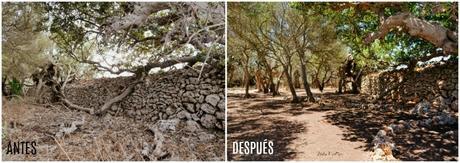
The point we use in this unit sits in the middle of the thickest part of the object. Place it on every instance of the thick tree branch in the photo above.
(167, 63)
(67, 102)
(107, 105)
(138, 17)
(104, 68)
(433, 33)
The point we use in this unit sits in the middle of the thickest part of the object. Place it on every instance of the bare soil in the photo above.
(99, 138)
(337, 127)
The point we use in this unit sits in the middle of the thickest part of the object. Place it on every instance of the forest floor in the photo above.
(99, 138)
(335, 128)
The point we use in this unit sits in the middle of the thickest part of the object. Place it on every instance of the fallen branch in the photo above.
(62, 149)
(68, 103)
(118, 98)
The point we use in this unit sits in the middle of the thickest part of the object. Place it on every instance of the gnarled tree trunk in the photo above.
(434, 33)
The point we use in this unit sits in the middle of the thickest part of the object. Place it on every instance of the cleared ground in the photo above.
(338, 127)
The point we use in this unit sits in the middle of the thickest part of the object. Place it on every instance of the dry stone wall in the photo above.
(437, 83)
(177, 94)
(433, 90)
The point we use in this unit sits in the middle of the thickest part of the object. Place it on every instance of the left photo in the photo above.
(117, 81)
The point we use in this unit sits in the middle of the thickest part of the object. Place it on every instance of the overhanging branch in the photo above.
(433, 33)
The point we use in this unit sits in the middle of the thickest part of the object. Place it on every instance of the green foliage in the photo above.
(16, 87)
(354, 23)
(164, 35)
(25, 48)
(4, 132)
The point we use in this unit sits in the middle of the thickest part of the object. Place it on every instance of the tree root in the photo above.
(118, 98)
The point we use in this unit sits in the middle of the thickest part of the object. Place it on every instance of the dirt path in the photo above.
(300, 132)
(324, 141)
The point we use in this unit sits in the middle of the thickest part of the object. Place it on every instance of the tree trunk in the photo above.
(259, 81)
(306, 86)
(277, 87)
(295, 99)
(340, 85)
(246, 82)
(356, 84)
(271, 83)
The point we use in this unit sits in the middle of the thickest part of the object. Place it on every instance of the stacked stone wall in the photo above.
(436, 83)
(177, 94)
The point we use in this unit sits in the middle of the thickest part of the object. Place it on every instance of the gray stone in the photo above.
(201, 99)
(205, 92)
(208, 108)
(208, 121)
(212, 99)
(188, 97)
(145, 111)
(220, 115)
(190, 107)
(190, 87)
(445, 119)
(195, 117)
(221, 105)
(198, 106)
(192, 126)
(170, 110)
(154, 118)
(206, 86)
(219, 125)
(184, 115)
(203, 136)
(168, 125)
(421, 108)
(454, 105)
(455, 93)
(165, 116)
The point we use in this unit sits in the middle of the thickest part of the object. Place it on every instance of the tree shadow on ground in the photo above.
(362, 124)
(255, 120)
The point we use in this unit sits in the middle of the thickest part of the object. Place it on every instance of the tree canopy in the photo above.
(331, 41)
(87, 39)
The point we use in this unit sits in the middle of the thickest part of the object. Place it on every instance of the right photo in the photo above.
(342, 81)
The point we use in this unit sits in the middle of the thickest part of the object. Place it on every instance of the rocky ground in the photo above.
(341, 127)
(63, 134)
